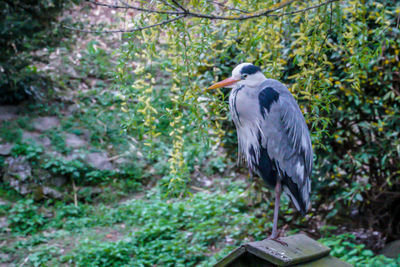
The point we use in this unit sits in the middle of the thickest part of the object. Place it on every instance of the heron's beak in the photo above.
(223, 83)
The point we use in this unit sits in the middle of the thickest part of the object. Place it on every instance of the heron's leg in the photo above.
(274, 235)
(278, 190)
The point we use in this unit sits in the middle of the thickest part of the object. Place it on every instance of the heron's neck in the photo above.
(256, 79)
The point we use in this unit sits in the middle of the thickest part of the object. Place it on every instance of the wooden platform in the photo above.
(301, 251)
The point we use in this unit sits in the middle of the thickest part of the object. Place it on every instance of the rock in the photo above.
(45, 123)
(4, 223)
(392, 250)
(5, 149)
(99, 160)
(53, 154)
(41, 192)
(8, 113)
(73, 141)
(72, 156)
(58, 181)
(41, 175)
(86, 133)
(36, 137)
(38, 193)
(372, 239)
(122, 161)
(18, 167)
(74, 108)
(47, 178)
(4, 258)
(52, 193)
(23, 189)
(89, 192)
(20, 176)
(17, 173)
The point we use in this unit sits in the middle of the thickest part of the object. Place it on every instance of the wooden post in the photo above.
(300, 251)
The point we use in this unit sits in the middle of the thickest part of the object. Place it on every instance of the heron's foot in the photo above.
(276, 238)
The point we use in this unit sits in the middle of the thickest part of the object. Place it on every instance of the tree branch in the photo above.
(187, 13)
(249, 16)
(228, 7)
(127, 6)
(165, 2)
(180, 6)
(307, 8)
(130, 30)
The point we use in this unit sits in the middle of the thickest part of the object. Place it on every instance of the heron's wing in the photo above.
(286, 137)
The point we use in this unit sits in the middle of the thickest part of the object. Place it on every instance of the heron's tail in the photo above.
(300, 195)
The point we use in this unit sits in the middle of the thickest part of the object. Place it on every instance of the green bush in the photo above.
(30, 151)
(25, 217)
(358, 169)
(341, 62)
(178, 232)
(27, 26)
(344, 247)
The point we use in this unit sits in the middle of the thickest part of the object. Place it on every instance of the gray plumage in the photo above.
(270, 124)
(273, 135)
(282, 131)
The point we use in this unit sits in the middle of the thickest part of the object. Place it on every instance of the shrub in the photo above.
(25, 217)
(344, 246)
(26, 26)
(341, 62)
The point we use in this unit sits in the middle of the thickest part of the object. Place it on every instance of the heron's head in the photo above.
(244, 74)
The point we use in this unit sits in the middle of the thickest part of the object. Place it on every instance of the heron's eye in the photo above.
(244, 76)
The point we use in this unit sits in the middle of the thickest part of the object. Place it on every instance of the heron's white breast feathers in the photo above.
(300, 170)
(248, 138)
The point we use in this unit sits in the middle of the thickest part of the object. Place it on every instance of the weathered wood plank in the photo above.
(324, 262)
(231, 257)
(249, 260)
(300, 249)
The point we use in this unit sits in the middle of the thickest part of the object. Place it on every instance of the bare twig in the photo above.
(200, 189)
(25, 261)
(250, 15)
(228, 7)
(307, 8)
(323, 42)
(179, 5)
(127, 6)
(75, 193)
(327, 34)
(244, 17)
(264, 13)
(165, 2)
(117, 156)
(186, 13)
(129, 30)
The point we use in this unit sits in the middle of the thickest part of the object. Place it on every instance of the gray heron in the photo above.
(273, 135)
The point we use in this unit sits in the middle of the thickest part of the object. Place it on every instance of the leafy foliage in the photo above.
(175, 233)
(344, 247)
(339, 60)
(26, 27)
(359, 167)
(192, 54)
(197, 230)
(24, 217)
(30, 151)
